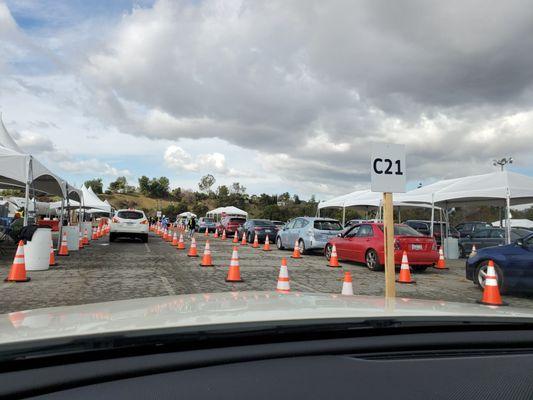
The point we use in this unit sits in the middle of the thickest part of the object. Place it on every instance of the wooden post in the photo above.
(388, 230)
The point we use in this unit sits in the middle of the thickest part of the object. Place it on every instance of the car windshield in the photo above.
(327, 225)
(150, 148)
(130, 215)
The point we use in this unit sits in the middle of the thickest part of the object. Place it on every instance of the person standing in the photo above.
(192, 226)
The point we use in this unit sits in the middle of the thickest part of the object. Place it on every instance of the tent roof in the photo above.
(476, 189)
(364, 198)
(186, 214)
(91, 200)
(229, 210)
(515, 222)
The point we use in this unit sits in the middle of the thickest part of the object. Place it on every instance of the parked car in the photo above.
(353, 222)
(129, 223)
(364, 244)
(311, 233)
(262, 227)
(205, 222)
(471, 227)
(279, 224)
(487, 238)
(230, 224)
(423, 227)
(513, 264)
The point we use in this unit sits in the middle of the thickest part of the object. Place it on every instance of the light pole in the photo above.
(502, 162)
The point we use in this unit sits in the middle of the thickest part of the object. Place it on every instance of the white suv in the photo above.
(130, 223)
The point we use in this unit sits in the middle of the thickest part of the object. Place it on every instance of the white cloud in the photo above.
(93, 166)
(177, 158)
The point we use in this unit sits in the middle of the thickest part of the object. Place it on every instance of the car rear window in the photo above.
(263, 223)
(237, 220)
(327, 225)
(403, 230)
(130, 215)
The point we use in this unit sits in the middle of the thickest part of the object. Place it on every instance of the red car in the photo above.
(364, 243)
(230, 224)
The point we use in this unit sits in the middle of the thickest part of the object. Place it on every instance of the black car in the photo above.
(262, 227)
(488, 238)
(471, 227)
(423, 227)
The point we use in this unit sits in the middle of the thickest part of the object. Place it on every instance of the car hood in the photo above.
(211, 309)
(505, 249)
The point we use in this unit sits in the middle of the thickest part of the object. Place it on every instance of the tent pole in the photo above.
(399, 215)
(442, 241)
(343, 215)
(61, 223)
(508, 217)
(432, 215)
(27, 194)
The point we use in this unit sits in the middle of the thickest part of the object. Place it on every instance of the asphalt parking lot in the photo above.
(128, 269)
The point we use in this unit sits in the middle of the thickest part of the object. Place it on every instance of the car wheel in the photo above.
(481, 273)
(145, 238)
(327, 251)
(462, 253)
(419, 268)
(301, 245)
(372, 261)
(111, 237)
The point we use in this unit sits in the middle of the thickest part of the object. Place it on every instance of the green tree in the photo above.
(176, 194)
(237, 188)
(95, 184)
(206, 182)
(144, 185)
(119, 185)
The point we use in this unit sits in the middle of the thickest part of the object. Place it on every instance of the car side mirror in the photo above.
(339, 234)
(469, 236)
(519, 242)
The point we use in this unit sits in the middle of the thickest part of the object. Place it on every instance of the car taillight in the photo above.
(115, 219)
(144, 221)
(258, 228)
(397, 245)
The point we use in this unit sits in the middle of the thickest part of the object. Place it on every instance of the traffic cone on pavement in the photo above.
(283, 278)
(236, 237)
(224, 237)
(95, 236)
(63, 248)
(17, 273)
(333, 259)
(216, 234)
(491, 293)
(405, 271)
(206, 232)
(206, 259)
(192, 250)
(256, 241)
(473, 252)
(234, 272)
(296, 251)
(441, 264)
(266, 247)
(243, 240)
(52, 262)
(181, 243)
(175, 239)
(347, 285)
(86, 238)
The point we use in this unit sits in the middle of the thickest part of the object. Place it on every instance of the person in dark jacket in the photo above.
(192, 226)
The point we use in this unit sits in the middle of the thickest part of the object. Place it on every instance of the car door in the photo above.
(520, 264)
(285, 234)
(345, 244)
(496, 238)
(480, 239)
(362, 241)
(295, 231)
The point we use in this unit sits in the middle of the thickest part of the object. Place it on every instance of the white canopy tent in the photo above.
(228, 210)
(516, 223)
(501, 188)
(91, 200)
(187, 214)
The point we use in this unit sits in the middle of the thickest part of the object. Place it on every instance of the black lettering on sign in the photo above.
(375, 166)
(398, 169)
(389, 162)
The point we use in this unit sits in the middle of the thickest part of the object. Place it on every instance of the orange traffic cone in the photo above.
(206, 232)
(491, 293)
(405, 271)
(206, 259)
(283, 278)
(17, 273)
(296, 251)
(256, 241)
(244, 242)
(347, 285)
(80, 242)
(236, 237)
(333, 259)
(266, 247)
(216, 234)
(86, 238)
(95, 236)
(234, 272)
(52, 262)
(473, 252)
(224, 237)
(441, 264)
(192, 250)
(63, 249)
(175, 239)
(181, 243)
(98, 233)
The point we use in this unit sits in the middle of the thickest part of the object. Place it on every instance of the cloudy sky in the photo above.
(278, 95)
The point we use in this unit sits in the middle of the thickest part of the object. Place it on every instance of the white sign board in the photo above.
(158, 214)
(387, 168)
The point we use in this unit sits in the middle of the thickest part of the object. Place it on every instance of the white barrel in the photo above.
(73, 237)
(89, 227)
(37, 250)
(451, 248)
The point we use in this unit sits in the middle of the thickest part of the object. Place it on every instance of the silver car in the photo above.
(311, 233)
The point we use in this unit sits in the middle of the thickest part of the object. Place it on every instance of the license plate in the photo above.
(416, 247)
(130, 223)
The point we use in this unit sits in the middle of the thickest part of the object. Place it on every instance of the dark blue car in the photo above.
(513, 263)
